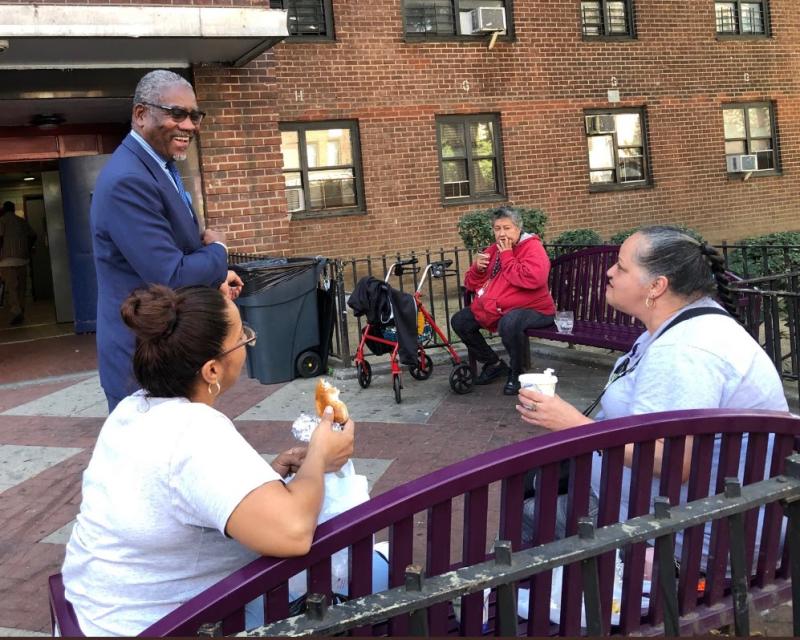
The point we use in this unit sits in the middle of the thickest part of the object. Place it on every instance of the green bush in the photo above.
(779, 260)
(579, 237)
(622, 236)
(475, 227)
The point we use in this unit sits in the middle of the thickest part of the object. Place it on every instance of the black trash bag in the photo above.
(260, 275)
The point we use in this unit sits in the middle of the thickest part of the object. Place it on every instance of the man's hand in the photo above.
(212, 235)
(481, 261)
(289, 461)
(232, 286)
(505, 244)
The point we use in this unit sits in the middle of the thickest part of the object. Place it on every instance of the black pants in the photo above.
(511, 329)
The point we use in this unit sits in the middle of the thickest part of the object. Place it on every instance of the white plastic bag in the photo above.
(344, 489)
(555, 596)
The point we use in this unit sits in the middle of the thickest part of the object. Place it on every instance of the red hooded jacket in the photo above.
(521, 282)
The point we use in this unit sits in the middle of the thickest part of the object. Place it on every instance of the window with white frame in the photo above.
(446, 18)
(610, 18)
(750, 132)
(742, 18)
(307, 18)
(321, 167)
(470, 159)
(616, 142)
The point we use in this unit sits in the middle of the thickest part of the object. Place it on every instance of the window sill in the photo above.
(454, 202)
(309, 39)
(722, 37)
(329, 213)
(411, 38)
(740, 176)
(626, 186)
(620, 38)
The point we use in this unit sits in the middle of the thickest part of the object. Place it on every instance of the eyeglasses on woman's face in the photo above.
(179, 114)
(249, 340)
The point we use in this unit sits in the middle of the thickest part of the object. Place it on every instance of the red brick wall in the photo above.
(540, 84)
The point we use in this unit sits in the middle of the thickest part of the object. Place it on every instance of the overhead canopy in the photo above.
(95, 36)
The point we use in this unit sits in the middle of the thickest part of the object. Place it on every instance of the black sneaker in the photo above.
(511, 387)
(491, 371)
(17, 320)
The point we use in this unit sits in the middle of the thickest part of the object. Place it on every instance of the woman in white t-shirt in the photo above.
(702, 360)
(174, 499)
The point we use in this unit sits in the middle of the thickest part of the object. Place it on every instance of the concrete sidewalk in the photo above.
(51, 412)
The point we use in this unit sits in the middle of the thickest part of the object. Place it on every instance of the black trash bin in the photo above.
(281, 301)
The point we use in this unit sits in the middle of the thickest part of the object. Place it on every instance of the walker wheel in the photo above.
(396, 386)
(364, 374)
(421, 374)
(461, 379)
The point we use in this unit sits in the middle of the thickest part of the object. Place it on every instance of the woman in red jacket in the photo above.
(510, 284)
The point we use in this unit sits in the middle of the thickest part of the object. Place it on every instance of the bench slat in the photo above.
(577, 507)
(699, 482)
(773, 516)
(476, 504)
(719, 547)
(401, 554)
(639, 504)
(438, 561)
(544, 525)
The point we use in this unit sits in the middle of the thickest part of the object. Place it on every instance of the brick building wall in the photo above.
(539, 84)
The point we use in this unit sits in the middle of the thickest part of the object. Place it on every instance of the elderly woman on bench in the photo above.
(693, 355)
(509, 280)
(174, 499)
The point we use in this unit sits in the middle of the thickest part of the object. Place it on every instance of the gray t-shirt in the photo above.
(705, 362)
(164, 478)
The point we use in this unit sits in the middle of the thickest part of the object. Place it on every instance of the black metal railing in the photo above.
(771, 274)
(507, 568)
(778, 308)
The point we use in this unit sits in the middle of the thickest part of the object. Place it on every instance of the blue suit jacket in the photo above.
(142, 234)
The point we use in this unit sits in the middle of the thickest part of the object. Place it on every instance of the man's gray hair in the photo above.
(152, 85)
(507, 212)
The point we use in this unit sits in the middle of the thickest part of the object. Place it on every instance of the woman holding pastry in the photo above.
(174, 499)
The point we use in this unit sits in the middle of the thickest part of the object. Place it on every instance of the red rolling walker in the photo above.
(461, 377)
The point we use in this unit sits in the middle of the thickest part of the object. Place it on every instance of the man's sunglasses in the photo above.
(179, 114)
(250, 337)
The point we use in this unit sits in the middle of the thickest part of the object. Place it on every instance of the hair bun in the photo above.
(151, 313)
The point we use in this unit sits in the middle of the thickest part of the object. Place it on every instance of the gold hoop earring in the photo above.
(649, 302)
(211, 393)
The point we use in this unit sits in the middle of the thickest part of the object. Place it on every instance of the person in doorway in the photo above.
(16, 244)
(509, 280)
(144, 227)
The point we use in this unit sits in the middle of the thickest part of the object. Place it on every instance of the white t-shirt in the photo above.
(164, 478)
(705, 362)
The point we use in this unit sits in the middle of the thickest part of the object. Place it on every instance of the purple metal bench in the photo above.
(480, 499)
(578, 284)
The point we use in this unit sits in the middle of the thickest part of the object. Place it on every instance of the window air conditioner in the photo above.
(294, 198)
(488, 19)
(742, 164)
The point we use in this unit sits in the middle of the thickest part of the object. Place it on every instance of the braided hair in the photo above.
(693, 268)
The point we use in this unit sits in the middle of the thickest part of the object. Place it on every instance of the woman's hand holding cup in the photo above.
(481, 261)
(548, 411)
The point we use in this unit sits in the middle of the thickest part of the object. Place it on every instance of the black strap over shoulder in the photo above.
(623, 370)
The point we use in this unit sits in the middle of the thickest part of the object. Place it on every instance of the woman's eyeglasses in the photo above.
(179, 114)
(250, 337)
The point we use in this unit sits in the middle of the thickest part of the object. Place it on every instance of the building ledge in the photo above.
(109, 36)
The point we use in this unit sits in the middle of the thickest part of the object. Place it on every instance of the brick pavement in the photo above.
(48, 426)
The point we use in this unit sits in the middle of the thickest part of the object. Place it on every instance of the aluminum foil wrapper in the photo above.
(304, 426)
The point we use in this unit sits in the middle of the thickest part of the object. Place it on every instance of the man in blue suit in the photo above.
(144, 227)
